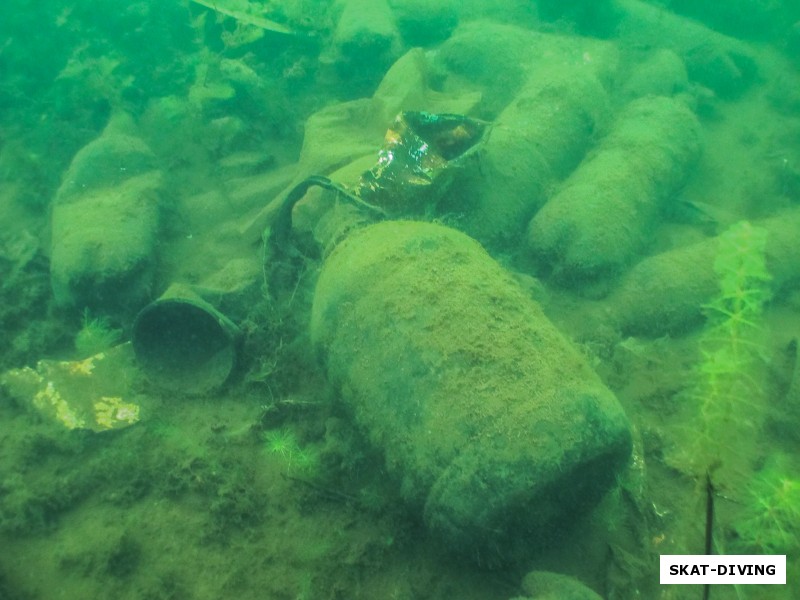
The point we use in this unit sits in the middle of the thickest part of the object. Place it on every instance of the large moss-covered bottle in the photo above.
(493, 423)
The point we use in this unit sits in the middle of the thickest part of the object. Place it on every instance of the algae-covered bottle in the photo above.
(495, 426)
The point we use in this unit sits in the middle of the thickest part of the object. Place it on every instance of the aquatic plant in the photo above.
(770, 519)
(723, 406)
(743, 280)
(727, 390)
(96, 335)
(283, 444)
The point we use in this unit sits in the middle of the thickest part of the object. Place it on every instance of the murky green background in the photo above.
(640, 181)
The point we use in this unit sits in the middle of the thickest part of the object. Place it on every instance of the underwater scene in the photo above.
(397, 299)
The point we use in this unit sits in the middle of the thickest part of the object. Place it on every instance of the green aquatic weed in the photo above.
(96, 335)
(744, 288)
(770, 519)
(728, 379)
(283, 444)
(307, 461)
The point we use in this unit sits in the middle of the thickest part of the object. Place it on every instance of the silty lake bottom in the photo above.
(397, 299)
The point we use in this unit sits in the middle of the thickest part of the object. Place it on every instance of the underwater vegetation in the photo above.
(295, 459)
(770, 520)
(96, 335)
(727, 391)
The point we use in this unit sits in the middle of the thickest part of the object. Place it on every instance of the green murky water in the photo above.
(429, 423)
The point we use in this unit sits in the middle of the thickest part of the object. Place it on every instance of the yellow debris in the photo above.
(112, 412)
